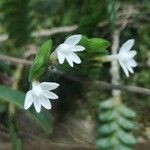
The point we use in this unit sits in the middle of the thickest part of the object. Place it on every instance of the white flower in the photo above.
(40, 94)
(125, 57)
(66, 50)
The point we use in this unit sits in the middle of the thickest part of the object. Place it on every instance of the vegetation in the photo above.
(95, 92)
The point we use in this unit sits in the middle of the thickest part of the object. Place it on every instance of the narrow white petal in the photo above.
(50, 95)
(75, 58)
(130, 68)
(61, 57)
(124, 68)
(69, 60)
(73, 40)
(28, 100)
(78, 48)
(127, 45)
(45, 103)
(48, 85)
(37, 104)
(132, 63)
(132, 53)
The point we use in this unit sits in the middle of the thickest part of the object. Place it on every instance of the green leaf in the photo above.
(94, 45)
(98, 45)
(107, 104)
(125, 123)
(104, 143)
(127, 112)
(108, 128)
(84, 42)
(17, 98)
(107, 116)
(126, 138)
(40, 63)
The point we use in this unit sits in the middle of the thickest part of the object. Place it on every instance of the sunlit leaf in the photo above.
(125, 123)
(104, 143)
(127, 112)
(126, 138)
(107, 116)
(108, 128)
(107, 104)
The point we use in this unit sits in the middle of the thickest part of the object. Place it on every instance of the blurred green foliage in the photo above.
(18, 20)
(95, 18)
(116, 124)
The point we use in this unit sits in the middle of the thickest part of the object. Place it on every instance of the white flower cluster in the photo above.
(40, 93)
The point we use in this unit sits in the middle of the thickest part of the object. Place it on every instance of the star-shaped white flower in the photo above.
(67, 50)
(125, 57)
(40, 94)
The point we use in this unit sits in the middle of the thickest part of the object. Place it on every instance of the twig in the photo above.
(46, 32)
(96, 83)
(15, 60)
(53, 31)
(105, 85)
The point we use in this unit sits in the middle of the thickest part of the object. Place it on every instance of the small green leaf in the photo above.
(126, 138)
(17, 98)
(125, 123)
(98, 45)
(107, 104)
(108, 128)
(94, 45)
(107, 116)
(127, 112)
(41, 61)
(104, 143)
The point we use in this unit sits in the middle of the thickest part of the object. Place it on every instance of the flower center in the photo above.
(37, 90)
(65, 48)
(125, 56)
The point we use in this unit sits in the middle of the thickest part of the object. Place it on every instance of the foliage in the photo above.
(40, 63)
(116, 125)
(17, 98)
(94, 18)
(18, 20)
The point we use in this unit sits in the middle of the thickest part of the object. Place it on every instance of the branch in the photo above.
(46, 32)
(15, 60)
(53, 31)
(105, 85)
(95, 83)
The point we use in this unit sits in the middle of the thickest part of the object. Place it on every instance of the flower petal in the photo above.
(50, 95)
(132, 63)
(61, 57)
(69, 60)
(48, 85)
(132, 53)
(124, 68)
(78, 48)
(37, 104)
(45, 103)
(28, 100)
(127, 46)
(73, 40)
(130, 69)
(75, 58)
